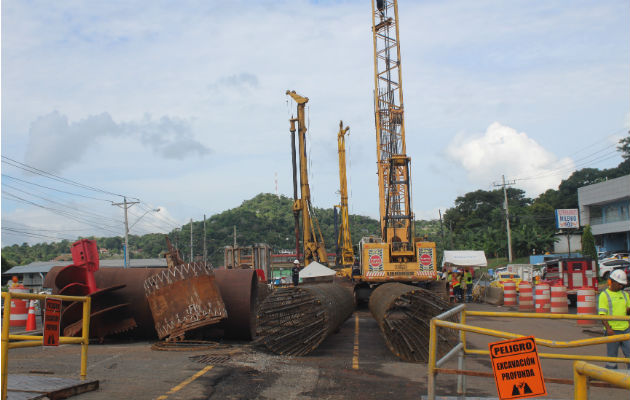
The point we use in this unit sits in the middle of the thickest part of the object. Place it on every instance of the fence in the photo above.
(16, 341)
(583, 372)
(461, 350)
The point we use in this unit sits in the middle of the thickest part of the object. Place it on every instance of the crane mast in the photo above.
(396, 217)
(312, 239)
(345, 256)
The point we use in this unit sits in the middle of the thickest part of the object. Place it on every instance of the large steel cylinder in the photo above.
(403, 313)
(239, 290)
(295, 321)
(183, 298)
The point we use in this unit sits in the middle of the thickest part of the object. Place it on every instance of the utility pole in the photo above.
(191, 243)
(205, 253)
(234, 236)
(126, 204)
(442, 232)
(507, 215)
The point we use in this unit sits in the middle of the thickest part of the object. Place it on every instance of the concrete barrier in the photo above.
(494, 296)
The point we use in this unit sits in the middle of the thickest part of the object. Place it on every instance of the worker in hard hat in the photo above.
(614, 301)
(295, 272)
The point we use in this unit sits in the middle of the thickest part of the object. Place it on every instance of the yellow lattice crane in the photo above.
(345, 253)
(397, 255)
(312, 239)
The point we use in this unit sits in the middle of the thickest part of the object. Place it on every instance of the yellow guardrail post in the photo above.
(583, 371)
(432, 360)
(87, 306)
(6, 316)
(461, 379)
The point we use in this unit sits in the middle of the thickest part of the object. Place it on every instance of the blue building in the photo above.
(605, 207)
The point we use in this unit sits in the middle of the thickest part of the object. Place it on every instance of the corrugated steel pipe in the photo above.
(403, 313)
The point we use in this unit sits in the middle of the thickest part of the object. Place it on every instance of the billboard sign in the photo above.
(567, 218)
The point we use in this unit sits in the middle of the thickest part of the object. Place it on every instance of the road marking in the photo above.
(186, 382)
(355, 358)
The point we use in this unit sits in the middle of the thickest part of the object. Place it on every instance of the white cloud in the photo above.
(502, 150)
(54, 143)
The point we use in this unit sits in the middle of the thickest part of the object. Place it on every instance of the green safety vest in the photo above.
(614, 303)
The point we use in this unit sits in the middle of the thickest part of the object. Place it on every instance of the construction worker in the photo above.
(456, 286)
(295, 272)
(614, 301)
(469, 285)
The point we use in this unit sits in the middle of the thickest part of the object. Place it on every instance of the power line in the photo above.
(52, 176)
(57, 190)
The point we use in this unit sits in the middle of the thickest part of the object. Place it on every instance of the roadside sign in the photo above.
(567, 218)
(52, 316)
(517, 370)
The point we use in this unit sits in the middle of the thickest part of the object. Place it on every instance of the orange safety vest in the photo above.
(455, 281)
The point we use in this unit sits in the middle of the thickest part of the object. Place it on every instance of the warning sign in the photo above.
(517, 371)
(375, 257)
(425, 255)
(52, 315)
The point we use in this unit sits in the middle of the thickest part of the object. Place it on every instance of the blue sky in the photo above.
(182, 105)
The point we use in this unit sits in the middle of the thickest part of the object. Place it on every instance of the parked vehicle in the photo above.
(504, 276)
(606, 267)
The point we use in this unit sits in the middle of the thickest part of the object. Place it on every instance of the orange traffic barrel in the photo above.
(542, 301)
(19, 309)
(525, 296)
(586, 305)
(509, 293)
(559, 303)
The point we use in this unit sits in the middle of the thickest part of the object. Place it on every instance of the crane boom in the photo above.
(345, 256)
(312, 239)
(397, 255)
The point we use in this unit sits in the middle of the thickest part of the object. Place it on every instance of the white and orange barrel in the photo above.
(587, 305)
(542, 301)
(509, 293)
(19, 308)
(525, 296)
(559, 303)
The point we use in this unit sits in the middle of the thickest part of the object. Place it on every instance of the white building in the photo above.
(605, 207)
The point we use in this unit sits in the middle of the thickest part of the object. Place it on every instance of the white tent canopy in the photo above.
(464, 258)
(315, 270)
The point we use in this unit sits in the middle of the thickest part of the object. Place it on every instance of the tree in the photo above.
(588, 245)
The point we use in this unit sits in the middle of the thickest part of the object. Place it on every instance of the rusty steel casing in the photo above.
(239, 290)
(182, 298)
(296, 320)
(403, 313)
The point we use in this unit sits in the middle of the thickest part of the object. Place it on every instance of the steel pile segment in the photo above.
(182, 298)
(239, 290)
(403, 313)
(295, 321)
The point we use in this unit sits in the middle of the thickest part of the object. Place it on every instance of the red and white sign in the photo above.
(425, 260)
(52, 317)
(376, 260)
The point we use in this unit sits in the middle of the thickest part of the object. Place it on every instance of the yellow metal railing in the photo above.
(583, 372)
(16, 341)
(461, 350)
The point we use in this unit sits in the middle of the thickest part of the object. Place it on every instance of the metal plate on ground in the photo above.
(211, 359)
(22, 387)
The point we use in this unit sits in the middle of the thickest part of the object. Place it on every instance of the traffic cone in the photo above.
(31, 324)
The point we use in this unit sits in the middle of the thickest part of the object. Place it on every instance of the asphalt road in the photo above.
(237, 370)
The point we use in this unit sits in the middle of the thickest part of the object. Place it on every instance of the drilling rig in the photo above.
(397, 255)
(345, 253)
(313, 241)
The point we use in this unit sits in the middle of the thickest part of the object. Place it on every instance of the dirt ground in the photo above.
(237, 370)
